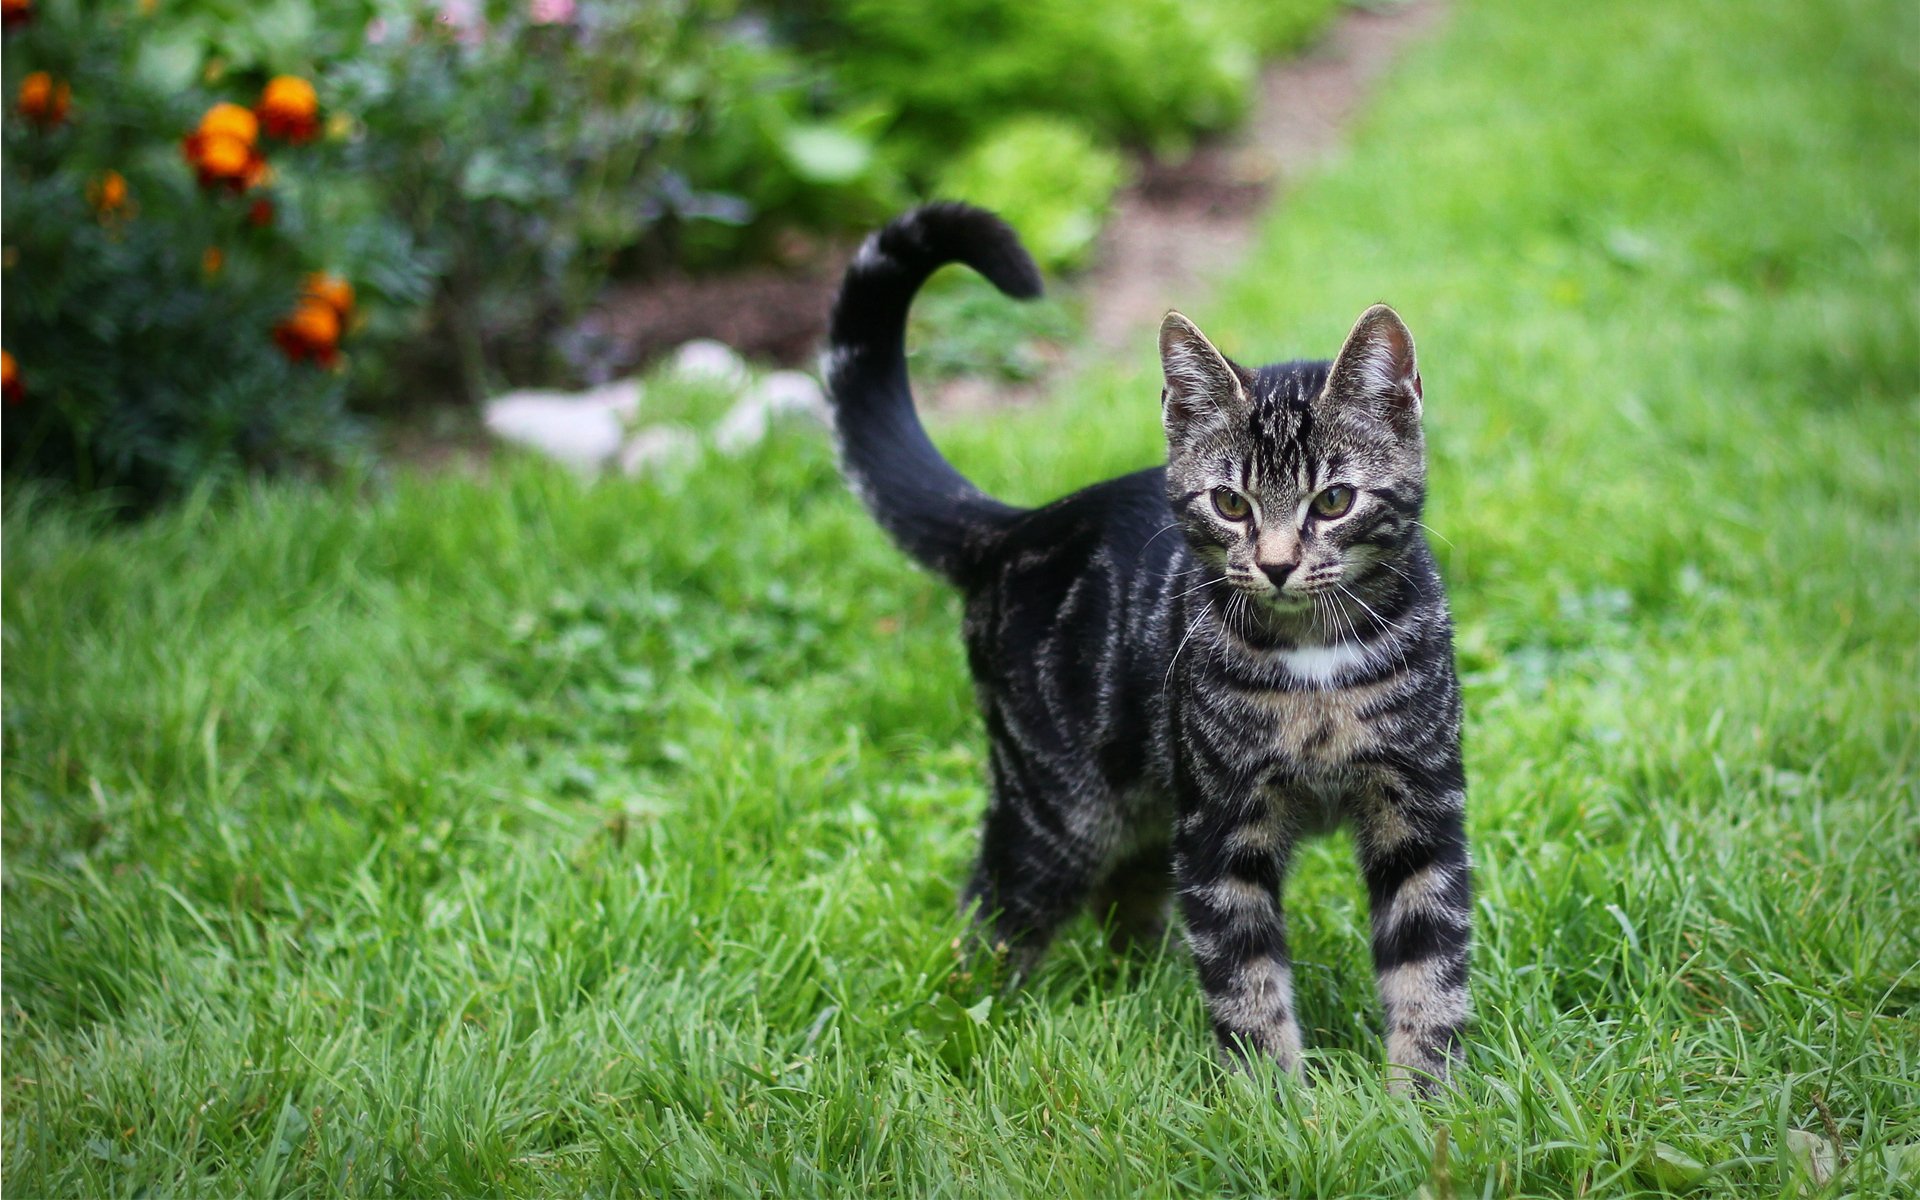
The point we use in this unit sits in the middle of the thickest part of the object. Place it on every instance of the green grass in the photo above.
(443, 837)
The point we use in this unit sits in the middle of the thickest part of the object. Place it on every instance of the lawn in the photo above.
(426, 835)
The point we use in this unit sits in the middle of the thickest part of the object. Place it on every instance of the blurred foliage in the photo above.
(1047, 177)
(961, 325)
(1150, 71)
(476, 170)
(143, 289)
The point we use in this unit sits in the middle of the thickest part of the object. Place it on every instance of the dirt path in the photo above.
(1180, 228)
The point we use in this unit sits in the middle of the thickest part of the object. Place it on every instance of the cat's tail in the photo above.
(928, 507)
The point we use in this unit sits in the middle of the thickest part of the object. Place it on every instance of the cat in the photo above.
(1185, 670)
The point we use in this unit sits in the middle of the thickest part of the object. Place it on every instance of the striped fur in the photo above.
(1178, 686)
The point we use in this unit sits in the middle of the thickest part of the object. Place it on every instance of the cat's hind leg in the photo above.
(1048, 837)
(1133, 899)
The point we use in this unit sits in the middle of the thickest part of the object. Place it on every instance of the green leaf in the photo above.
(1674, 1169)
(825, 154)
(169, 61)
(1902, 1160)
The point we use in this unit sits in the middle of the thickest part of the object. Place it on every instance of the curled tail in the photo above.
(928, 507)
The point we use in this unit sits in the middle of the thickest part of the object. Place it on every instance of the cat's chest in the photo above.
(1313, 728)
(1302, 710)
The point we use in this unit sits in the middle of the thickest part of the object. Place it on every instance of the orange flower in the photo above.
(10, 385)
(260, 214)
(220, 156)
(108, 194)
(15, 12)
(211, 260)
(42, 100)
(222, 149)
(331, 290)
(310, 331)
(232, 120)
(289, 108)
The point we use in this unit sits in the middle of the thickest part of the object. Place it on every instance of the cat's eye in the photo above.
(1334, 502)
(1231, 504)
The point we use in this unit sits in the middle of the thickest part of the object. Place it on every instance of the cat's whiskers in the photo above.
(1435, 532)
(1203, 584)
(1341, 615)
(1396, 570)
(1156, 535)
(1193, 627)
(1371, 611)
(1403, 644)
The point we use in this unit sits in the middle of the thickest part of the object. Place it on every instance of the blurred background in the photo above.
(245, 237)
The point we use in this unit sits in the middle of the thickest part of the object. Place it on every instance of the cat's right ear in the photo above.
(1202, 386)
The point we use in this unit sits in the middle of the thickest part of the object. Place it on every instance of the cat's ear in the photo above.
(1201, 383)
(1376, 368)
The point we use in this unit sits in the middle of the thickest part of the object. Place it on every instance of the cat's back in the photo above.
(1062, 622)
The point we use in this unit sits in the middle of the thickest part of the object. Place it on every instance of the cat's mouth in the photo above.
(1288, 602)
(1275, 599)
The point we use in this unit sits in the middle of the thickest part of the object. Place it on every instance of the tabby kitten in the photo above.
(1175, 711)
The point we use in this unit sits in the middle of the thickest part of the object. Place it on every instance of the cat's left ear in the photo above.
(1202, 385)
(1376, 368)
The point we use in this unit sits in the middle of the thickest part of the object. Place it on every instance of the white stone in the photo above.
(793, 392)
(580, 429)
(706, 360)
(622, 396)
(783, 393)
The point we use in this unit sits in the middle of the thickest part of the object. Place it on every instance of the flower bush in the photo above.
(469, 172)
(142, 291)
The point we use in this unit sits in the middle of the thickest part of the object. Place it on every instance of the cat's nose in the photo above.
(1278, 572)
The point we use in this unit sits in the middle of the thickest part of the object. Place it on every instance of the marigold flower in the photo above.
(232, 120)
(260, 214)
(211, 260)
(11, 386)
(332, 291)
(289, 108)
(107, 192)
(15, 12)
(310, 331)
(222, 156)
(43, 100)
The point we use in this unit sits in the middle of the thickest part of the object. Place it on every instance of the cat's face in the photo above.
(1296, 481)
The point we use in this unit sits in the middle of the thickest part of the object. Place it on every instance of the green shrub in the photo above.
(1147, 72)
(150, 282)
(780, 151)
(1047, 177)
(1277, 26)
(528, 156)
(482, 166)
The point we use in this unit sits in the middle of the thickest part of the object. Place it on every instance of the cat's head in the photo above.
(1300, 479)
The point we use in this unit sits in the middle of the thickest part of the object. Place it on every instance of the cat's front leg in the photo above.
(1413, 852)
(1229, 861)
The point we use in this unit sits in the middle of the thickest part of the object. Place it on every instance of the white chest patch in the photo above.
(1323, 665)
